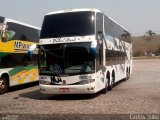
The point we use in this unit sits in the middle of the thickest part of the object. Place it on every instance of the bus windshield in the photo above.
(68, 24)
(66, 59)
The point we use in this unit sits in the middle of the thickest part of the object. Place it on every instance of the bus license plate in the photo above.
(64, 90)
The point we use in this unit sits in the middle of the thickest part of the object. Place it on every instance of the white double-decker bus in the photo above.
(82, 51)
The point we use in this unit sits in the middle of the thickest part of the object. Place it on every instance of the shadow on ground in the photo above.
(36, 95)
(24, 86)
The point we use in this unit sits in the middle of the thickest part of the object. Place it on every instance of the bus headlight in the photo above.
(87, 81)
(44, 82)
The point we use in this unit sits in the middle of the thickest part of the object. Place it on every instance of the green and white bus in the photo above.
(15, 66)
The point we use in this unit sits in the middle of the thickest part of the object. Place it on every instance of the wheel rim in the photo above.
(106, 87)
(127, 75)
(112, 82)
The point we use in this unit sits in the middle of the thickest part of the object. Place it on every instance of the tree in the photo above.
(149, 34)
(158, 49)
(148, 37)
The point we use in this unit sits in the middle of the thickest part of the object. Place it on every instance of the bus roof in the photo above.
(74, 10)
(84, 9)
(18, 22)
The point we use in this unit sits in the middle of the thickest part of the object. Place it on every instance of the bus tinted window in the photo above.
(18, 59)
(23, 32)
(68, 24)
(99, 25)
(115, 30)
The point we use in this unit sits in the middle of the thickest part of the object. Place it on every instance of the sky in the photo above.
(137, 16)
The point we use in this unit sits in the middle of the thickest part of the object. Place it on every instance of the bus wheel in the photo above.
(127, 75)
(104, 91)
(112, 82)
(3, 85)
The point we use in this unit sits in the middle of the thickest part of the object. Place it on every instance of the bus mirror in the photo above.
(93, 52)
(99, 37)
(99, 40)
(31, 49)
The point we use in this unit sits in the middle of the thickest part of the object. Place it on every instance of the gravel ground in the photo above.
(139, 96)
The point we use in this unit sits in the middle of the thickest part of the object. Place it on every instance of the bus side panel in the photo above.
(21, 75)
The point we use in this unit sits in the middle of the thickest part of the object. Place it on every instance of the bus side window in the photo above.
(25, 60)
(6, 61)
(99, 26)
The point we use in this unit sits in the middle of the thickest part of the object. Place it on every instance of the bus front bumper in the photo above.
(68, 89)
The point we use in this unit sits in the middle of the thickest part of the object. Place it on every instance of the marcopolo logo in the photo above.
(21, 46)
(56, 40)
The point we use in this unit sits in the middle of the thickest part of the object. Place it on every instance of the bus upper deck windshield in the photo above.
(68, 24)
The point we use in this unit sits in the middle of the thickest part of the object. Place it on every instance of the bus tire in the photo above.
(110, 87)
(104, 91)
(3, 85)
(127, 75)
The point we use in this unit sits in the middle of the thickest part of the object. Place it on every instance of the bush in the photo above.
(138, 53)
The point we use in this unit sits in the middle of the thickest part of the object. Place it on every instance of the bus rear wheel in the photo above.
(3, 85)
(127, 75)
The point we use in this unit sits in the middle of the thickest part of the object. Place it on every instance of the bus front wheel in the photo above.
(3, 85)
(104, 91)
